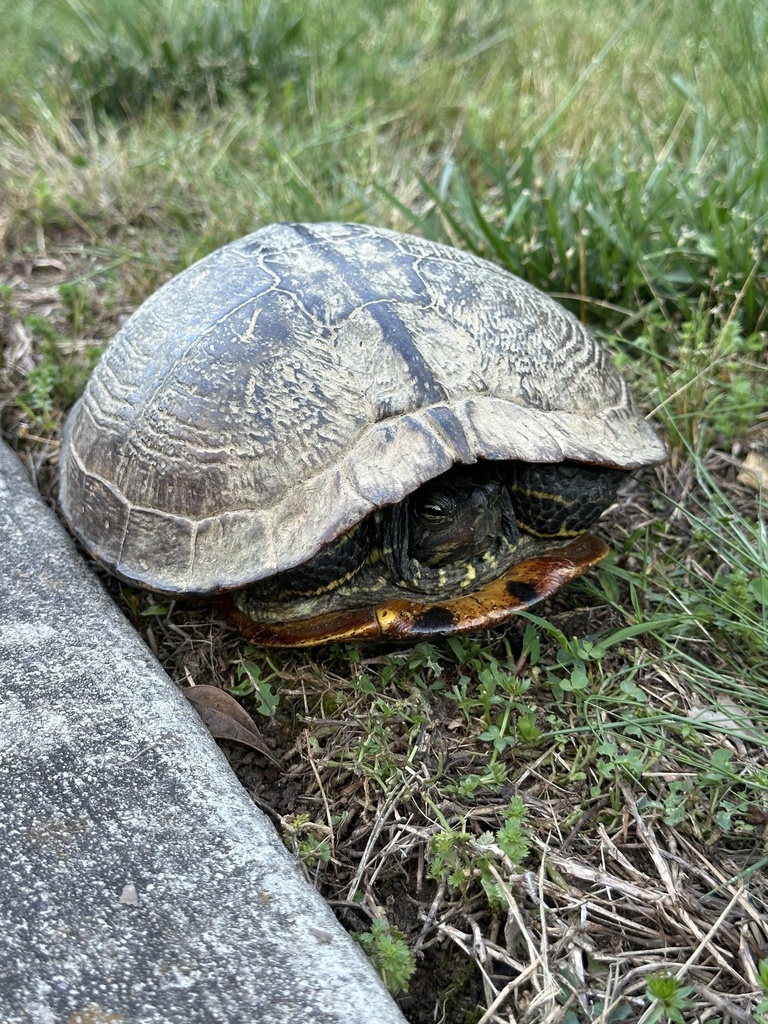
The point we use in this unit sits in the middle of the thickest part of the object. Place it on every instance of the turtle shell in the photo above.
(272, 395)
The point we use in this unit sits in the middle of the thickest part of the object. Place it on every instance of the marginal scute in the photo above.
(149, 531)
(218, 541)
(395, 457)
(273, 394)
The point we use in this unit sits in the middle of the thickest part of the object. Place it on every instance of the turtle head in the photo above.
(458, 515)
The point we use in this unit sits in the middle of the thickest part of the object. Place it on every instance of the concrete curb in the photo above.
(109, 781)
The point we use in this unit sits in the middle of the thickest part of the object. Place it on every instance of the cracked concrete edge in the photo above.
(108, 780)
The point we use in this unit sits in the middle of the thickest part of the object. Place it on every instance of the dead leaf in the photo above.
(754, 471)
(225, 718)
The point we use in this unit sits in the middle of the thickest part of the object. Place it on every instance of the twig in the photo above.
(328, 815)
(381, 819)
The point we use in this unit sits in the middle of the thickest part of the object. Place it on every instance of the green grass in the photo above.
(615, 155)
(644, 231)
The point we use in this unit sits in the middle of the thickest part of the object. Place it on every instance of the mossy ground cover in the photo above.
(565, 820)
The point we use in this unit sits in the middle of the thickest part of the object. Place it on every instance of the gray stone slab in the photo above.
(108, 780)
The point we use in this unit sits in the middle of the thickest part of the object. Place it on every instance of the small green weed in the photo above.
(670, 999)
(421, 665)
(489, 688)
(76, 299)
(57, 380)
(461, 858)
(6, 299)
(310, 841)
(253, 682)
(372, 751)
(473, 784)
(391, 957)
(720, 794)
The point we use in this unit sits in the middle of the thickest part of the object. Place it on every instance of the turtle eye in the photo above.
(434, 510)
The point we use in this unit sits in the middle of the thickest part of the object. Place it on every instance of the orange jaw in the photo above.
(524, 584)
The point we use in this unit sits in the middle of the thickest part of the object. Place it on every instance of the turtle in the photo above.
(346, 432)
